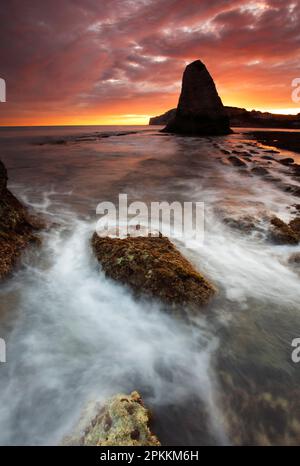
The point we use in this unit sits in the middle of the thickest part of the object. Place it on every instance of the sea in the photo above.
(221, 376)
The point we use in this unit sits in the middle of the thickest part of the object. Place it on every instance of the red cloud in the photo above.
(86, 56)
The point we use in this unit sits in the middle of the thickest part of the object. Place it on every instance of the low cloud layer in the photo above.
(89, 61)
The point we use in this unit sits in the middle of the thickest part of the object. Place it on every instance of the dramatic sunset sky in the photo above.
(121, 61)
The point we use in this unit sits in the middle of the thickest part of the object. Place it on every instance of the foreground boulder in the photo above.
(17, 228)
(200, 110)
(152, 266)
(121, 421)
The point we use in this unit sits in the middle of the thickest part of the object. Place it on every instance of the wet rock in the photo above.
(236, 161)
(200, 110)
(296, 207)
(259, 413)
(244, 172)
(272, 151)
(291, 188)
(224, 161)
(260, 171)
(17, 227)
(121, 421)
(59, 142)
(226, 152)
(289, 140)
(124, 421)
(272, 179)
(153, 266)
(245, 224)
(281, 233)
(295, 225)
(296, 169)
(286, 161)
(294, 259)
(267, 157)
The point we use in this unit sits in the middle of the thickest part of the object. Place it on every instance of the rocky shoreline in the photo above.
(288, 140)
(18, 228)
(151, 266)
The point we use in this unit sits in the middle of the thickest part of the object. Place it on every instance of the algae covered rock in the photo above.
(17, 227)
(122, 421)
(152, 266)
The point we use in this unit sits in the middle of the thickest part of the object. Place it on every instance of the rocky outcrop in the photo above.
(163, 119)
(282, 233)
(124, 421)
(121, 421)
(153, 266)
(200, 110)
(289, 140)
(17, 227)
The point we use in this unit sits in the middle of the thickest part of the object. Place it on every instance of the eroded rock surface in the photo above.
(200, 110)
(153, 266)
(282, 233)
(17, 227)
(121, 421)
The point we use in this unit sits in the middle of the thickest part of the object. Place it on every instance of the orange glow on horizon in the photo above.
(120, 120)
(139, 111)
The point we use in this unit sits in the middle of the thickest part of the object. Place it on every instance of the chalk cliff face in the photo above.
(200, 110)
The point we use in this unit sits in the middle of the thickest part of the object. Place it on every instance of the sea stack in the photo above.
(200, 110)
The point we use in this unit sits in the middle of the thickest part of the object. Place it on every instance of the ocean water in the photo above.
(225, 375)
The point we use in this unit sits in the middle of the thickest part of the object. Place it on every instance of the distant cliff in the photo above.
(163, 119)
(243, 118)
